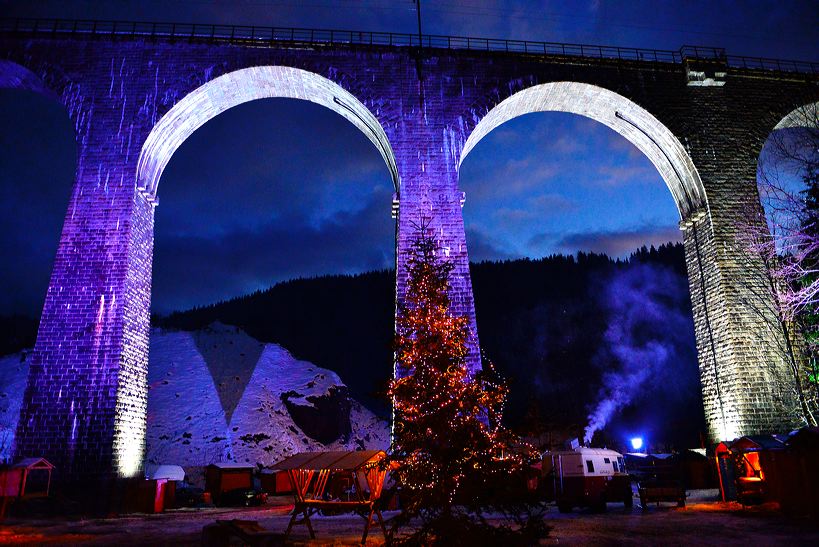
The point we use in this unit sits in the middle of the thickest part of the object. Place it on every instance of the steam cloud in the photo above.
(645, 335)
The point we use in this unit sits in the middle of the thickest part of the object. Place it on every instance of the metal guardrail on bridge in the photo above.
(263, 35)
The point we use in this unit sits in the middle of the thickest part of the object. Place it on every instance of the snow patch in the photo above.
(187, 423)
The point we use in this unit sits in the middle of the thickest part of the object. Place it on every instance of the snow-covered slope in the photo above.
(185, 418)
(13, 373)
(218, 395)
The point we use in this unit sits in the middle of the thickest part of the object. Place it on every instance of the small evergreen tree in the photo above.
(454, 458)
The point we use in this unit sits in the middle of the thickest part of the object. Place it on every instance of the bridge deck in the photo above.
(261, 36)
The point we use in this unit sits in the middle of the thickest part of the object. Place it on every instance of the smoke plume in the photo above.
(643, 342)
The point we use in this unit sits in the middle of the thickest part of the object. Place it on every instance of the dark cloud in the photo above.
(269, 191)
(626, 173)
(551, 203)
(619, 244)
(190, 270)
(484, 247)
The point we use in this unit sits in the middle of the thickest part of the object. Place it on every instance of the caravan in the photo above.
(587, 477)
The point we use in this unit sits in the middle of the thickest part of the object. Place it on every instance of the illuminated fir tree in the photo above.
(453, 456)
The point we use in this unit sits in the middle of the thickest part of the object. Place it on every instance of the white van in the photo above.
(587, 477)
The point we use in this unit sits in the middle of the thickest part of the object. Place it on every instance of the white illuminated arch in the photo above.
(241, 86)
(622, 115)
(804, 116)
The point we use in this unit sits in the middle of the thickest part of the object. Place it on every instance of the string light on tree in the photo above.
(448, 445)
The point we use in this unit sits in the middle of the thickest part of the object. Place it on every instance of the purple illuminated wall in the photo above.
(84, 406)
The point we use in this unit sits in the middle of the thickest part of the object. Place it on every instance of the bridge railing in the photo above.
(780, 65)
(264, 34)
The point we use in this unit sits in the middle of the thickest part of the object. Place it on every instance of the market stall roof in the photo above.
(751, 443)
(648, 457)
(350, 460)
(34, 463)
(763, 442)
(231, 465)
(164, 471)
(806, 437)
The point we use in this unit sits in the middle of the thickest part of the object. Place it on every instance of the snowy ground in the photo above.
(218, 395)
(13, 372)
(706, 523)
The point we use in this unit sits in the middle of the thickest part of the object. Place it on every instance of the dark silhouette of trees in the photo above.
(542, 321)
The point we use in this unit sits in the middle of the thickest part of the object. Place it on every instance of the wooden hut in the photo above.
(798, 474)
(698, 471)
(275, 482)
(746, 471)
(224, 477)
(28, 478)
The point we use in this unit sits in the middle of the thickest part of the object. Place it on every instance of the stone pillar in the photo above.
(85, 400)
(713, 343)
(429, 191)
(747, 384)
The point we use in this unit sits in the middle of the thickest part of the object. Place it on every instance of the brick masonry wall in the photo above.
(84, 406)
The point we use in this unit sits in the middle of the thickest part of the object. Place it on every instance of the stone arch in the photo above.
(783, 156)
(182, 120)
(52, 84)
(654, 139)
(617, 112)
(804, 116)
(24, 83)
(14, 76)
(241, 86)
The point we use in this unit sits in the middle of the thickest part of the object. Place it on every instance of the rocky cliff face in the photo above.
(218, 395)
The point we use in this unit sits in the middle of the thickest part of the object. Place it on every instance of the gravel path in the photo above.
(700, 523)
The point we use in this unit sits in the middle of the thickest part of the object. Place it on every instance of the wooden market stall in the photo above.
(221, 478)
(276, 483)
(745, 471)
(35, 477)
(799, 494)
(316, 476)
(773, 468)
(28, 478)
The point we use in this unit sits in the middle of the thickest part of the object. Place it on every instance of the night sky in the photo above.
(277, 189)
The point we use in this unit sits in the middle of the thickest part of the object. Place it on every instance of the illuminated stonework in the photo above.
(723, 394)
(802, 116)
(134, 100)
(634, 123)
(241, 86)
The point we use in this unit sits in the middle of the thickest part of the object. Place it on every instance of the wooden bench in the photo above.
(649, 494)
(310, 473)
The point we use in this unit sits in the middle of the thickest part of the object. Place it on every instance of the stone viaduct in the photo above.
(135, 92)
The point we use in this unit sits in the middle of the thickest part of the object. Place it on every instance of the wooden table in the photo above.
(311, 472)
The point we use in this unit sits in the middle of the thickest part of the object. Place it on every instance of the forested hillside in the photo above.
(572, 334)
(579, 338)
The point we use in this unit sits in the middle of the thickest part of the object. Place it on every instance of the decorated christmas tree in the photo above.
(454, 458)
